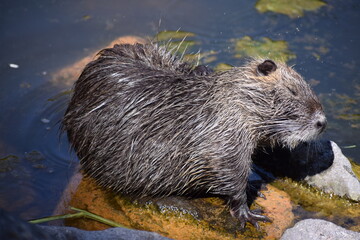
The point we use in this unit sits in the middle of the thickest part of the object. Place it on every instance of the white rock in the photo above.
(316, 229)
(339, 178)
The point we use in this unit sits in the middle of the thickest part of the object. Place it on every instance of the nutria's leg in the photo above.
(237, 167)
(240, 210)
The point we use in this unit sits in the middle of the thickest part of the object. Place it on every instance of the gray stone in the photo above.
(339, 178)
(64, 233)
(316, 229)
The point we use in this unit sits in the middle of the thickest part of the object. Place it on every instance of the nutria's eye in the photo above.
(293, 92)
(266, 67)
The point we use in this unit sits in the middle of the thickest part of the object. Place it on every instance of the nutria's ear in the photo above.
(266, 67)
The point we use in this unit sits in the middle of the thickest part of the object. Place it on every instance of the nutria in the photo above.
(145, 123)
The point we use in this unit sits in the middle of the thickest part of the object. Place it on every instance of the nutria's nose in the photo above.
(321, 124)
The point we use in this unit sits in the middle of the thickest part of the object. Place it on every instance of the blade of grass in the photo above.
(52, 218)
(98, 218)
(79, 213)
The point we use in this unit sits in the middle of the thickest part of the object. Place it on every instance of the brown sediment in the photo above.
(280, 211)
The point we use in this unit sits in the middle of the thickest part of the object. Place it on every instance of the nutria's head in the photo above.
(283, 107)
(297, 112)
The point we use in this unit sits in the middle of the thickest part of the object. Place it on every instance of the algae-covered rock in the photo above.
(179, 217)
(291, 8)
(266, 48)
(316, 201)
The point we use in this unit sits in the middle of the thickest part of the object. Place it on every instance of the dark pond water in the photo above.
(38, 38)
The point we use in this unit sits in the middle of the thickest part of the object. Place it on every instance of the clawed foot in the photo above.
(244, 214)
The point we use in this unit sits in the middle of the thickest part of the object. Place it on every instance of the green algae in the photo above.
(311, 199)
(180, 47)
(171, 35)
(181, 42)
(277, 50)
(290, 8)
(222, 67)
(356, 168)
(9, 163)
(176, 41)
(343, 107)
(203, 57)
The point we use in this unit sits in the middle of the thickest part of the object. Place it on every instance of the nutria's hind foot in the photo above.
(244, 214)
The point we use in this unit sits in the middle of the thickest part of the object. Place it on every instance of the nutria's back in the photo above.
(143, 122)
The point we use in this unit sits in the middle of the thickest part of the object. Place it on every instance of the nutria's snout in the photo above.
(321, 122)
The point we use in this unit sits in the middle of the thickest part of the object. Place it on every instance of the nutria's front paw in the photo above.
(244, 214)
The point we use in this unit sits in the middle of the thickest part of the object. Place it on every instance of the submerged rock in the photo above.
(14, 228)
(318, 229)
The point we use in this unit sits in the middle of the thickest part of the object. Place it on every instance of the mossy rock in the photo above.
(179, 217)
